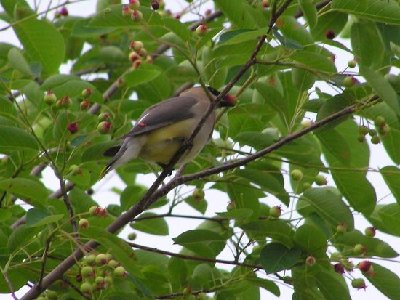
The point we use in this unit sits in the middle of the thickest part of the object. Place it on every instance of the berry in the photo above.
(108, 279)
(320, 180)
(358, 283)
(275, 211)
(230, 99)
(126, 11)
(349, 81)
(366, 267)
(120, 271)
(370, 231)
(75, 170)
(92, 210)
(306, 123)
(136, 15)
(134, 4)
(384, 129)
(375, 140)
(306, 185)
(198, 194)
(136, 64)
(100, 282)
(100, 211)
(83, 223)
(280, 22)
(372, 132)
(265, 3)
(104, 116)
(63, 11)
(64, 102)
(177, 16)
(310, 260)
(113, 264)
(296, 175)
(380, 121)
(363, 130)
(89, 259)
(104, 127)
(136, 45)
(361, 138)
(109, 256)
(50, 98)
(339, 268)
(348, 265)
(352, 63)
(134, 56)
(330, 34)
(359, 249)
(142, 52)
(73, 127)
(86, 92)
(87, 272)
(155, 4)
(101, 259)
(342, 227)
(86, 287)
(85, 104)
(201, 29)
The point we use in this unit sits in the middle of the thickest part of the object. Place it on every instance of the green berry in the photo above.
(132, 236)
(119, 271)
(50, 98)
(383, 130)
(361, 138)
(86, 287)
(352, 63)
(320, 180)
(375, 140)
(92, 210)
(380, 121)
(105, 116)
(359, 249)
(370, 231)
(198, 194)
(104, 127)
(306, 185)
(89, 259)
(275, 211)
(341, 228)
(296, 174)
(358, 283)
(113, 264)
(101, 259)
(87, 272)
(86, 92)
(83, 223)
(348, 81)
(363, 130)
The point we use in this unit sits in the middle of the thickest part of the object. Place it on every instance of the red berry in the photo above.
(265, 3)
(136, 15)
(134, 4)
(63, 11)
(100, 211)
(85, 104)
(155, 4)
(134, 56)
(339, 268)
(64, 102)
(330, 34)
(86, 92)
(136, 64)
(104, 127)
(366, 267)
(177, 16)
(201, 29)
(126, 11)
(104, 116)
(73, 127)
(136, 45)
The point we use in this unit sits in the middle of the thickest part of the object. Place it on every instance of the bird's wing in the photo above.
(163, 114)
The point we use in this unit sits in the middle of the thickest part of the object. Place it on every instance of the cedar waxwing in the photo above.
(162, 128)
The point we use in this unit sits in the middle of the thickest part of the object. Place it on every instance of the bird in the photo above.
(164, 127)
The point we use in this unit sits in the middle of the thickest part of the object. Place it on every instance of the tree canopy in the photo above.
(301, 134)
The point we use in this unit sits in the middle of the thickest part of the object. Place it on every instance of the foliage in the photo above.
(66, 120)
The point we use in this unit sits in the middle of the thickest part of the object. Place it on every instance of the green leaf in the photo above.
(380, 11)
(257, 140)
(204, 242)
(156, 226)
(267, 285)
(21, 236)
(36, 217)
(382, 87)
(387, 218)
(386, 281)
(42, 43)
(316, 61)
(239, 14)
(237, 214)
(391, 175)
(368, 54)
(13, 138)
(375, 247)
(18, 62)
(233, 37)
(329, 21)
(31, 191)
(178, 272)
(331, 284)
(141, 75)
(276, 257)
(328, 203)
(310, 12)
(278, 230)
(311, 239)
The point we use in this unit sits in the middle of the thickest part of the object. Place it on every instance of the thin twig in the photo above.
(196, 258)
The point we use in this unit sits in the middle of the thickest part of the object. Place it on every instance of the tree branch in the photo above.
(196, 258)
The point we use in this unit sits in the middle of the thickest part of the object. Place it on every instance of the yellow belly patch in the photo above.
(162, 144)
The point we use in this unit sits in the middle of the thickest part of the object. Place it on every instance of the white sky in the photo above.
(104, 195)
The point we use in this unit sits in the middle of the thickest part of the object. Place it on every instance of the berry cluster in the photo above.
(132, 10)
(138, 54)
(383, 129)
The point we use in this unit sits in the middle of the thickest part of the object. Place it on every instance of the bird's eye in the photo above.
(213, 91)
